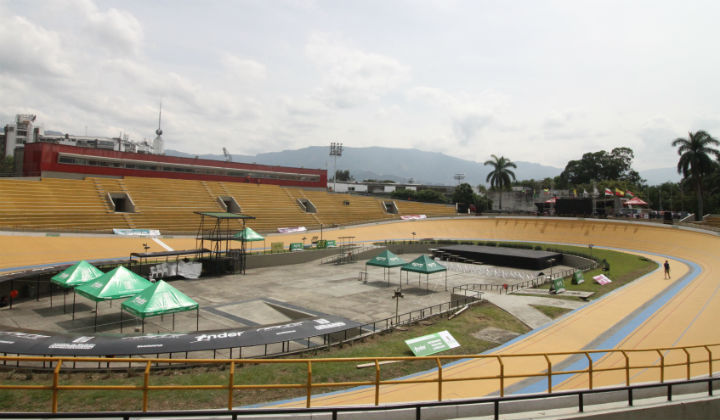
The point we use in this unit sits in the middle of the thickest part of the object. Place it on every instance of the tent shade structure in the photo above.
(425, 265)
(116, 284)
(248, 235)
(635, 202)
(159, 299)
(78, 273)
(387, 260)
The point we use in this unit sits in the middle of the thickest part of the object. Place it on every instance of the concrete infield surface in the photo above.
(651, 312)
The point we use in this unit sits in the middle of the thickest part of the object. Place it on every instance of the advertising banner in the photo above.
(137, 232)
(578, 277)
(296, 246)
(292, 229)
(432, 343)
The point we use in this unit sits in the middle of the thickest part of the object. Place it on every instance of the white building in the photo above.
(16, 135)
(23, 131)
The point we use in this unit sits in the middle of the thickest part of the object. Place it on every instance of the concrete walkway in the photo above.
(520, 307)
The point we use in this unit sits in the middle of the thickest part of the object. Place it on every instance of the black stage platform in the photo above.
(506, 257)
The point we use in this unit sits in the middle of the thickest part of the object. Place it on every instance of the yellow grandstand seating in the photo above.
(168, 205)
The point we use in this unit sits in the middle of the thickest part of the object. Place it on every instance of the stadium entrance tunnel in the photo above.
(229, 203)
(390, 207)
(121, 202)
(306, 205)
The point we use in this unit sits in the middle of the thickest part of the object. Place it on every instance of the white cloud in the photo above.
(29, 49)
(350, 76)
(243, 69)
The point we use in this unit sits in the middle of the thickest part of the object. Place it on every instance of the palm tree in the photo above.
(500, 176)
(695, 161)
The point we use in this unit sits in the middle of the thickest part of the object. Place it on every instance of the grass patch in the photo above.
(463, 327)
(551, 311)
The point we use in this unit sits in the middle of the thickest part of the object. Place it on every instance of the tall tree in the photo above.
(501, 176)
(601, 166)
(696, 153)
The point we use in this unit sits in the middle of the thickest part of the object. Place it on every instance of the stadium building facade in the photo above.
(63, 161)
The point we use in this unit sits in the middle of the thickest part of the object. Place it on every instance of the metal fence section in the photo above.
(680, 362)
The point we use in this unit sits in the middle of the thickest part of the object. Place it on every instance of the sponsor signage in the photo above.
(137, 232)
(558, 285)
(331, 243)
(31, 343)
(602, 279)
(296, 246)
(578, 277)
(413, 217)
(292, 229)
(432, 343)
(277, 247)
(322, 244)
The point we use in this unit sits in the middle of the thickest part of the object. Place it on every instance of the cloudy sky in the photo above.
(538, 81)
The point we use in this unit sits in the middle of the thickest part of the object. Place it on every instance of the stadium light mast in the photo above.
(335, 151)
(459, 178)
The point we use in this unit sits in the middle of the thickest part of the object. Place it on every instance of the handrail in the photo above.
(691, 358)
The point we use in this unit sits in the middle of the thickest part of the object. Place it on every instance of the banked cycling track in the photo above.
(650, 312)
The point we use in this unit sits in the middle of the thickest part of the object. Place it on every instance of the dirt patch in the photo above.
(495, 335)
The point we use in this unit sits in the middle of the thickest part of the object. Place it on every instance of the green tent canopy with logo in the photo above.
(159, 299)
(387, 260)
(424, 265)
(249, 235)
(79, 273)
(116, 284)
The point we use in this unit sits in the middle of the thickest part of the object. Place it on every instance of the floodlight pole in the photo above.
(336, 150)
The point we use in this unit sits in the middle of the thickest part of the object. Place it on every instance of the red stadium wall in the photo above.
(41, 158)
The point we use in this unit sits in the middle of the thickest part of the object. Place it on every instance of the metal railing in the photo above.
(700, 357)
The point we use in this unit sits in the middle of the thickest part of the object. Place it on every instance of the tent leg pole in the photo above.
(51, 290)
(74, 294)
(64, 301)
(121, 319)
(96, 309)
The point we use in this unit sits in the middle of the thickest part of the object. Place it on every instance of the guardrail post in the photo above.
(502, 376)
(377, 382)
(146, 383)
(590, 372)
(56, 380)
(440, 378)
(627, 368)
(710, 369)
(662, 366)
(231, 384)
(549, 373)
(687, 362)
(309, 383)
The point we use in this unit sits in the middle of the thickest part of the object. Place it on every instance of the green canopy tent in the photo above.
(424, 265)
(160, 299)
(249, 235)
(386, 260)
(77, 274)
(116, 284)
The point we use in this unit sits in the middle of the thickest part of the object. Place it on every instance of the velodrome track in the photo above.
(648, 313)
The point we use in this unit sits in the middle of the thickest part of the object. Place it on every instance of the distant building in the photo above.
(16, 135)
(23, 131)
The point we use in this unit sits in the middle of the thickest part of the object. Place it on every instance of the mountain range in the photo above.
(404, 165)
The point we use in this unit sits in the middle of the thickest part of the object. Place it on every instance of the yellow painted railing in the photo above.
(601, 368)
